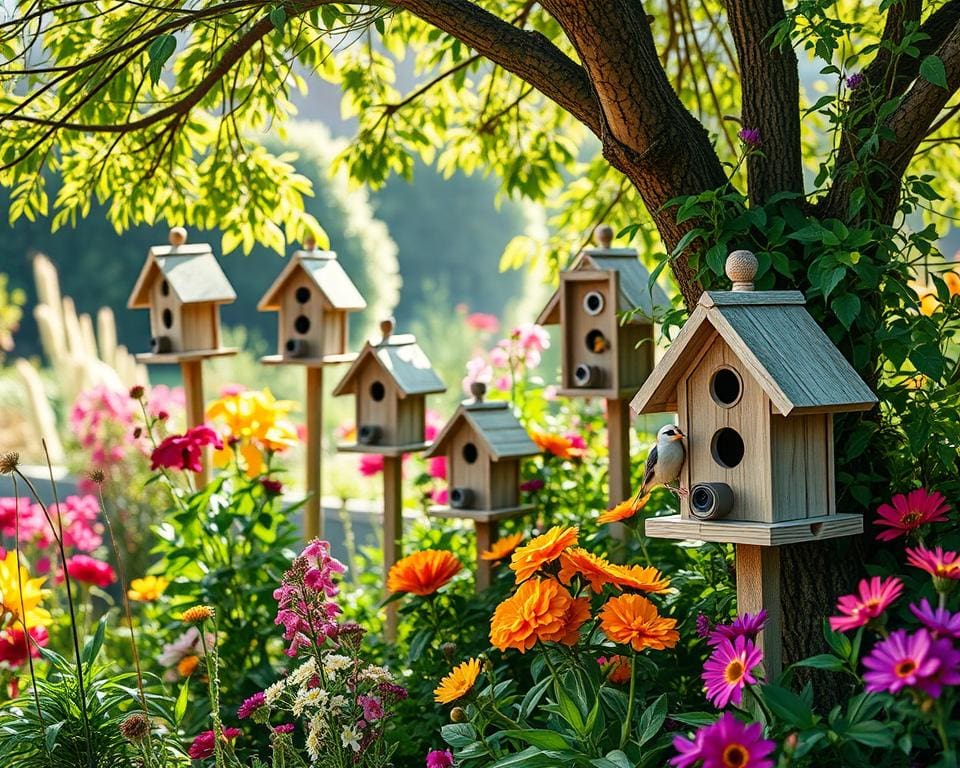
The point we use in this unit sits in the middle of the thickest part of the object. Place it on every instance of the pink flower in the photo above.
(14, 645)
(439, 758)
(873, 597)
(440, 496)
(939, 621)
(304, 609)
(272, 487)
(33, 526)
(727, 743)
(370, 464)
(532, 486)
(79, 516)
(729, 669)
(750, 137)
(481, 321)
(477, 371)
(185, 451)
(499, 356)
(912, 661)
(432, 424)
(232, 390)
(532, 337)
(372, 708)
(907, 512)
(321, 567)
(284, 728)
(202, 746)
(936, 562)
(251, 705)
(745, 625)
(89, 570)
(164, 400)
(437, 467)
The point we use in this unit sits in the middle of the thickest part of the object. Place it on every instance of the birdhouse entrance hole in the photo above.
(470, 453)
(302, 295)
(377, 391)
(726, 387)
(593, 303)
(727, 447)
(302, 324)
(597, 342)
(167, 317)
(164, 288)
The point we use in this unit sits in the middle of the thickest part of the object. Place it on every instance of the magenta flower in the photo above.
(704, 625)
(750, 137)
(936, 562)
(915, 661)
(907, 512)
(532, 486)
(202, 746)
(372, 708)
(321, 568)
(729, 669)
(304, 608)
(89, 570)
(251, 705)
(437, 467)
(185, 451)
(727, 743)
(272, 487)
(939, 621)
(745, 625)
(370, 464)
(439, 758)
(873, 597)
(284, 728)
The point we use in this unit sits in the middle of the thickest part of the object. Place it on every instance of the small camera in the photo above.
(461, 498)
(711, 501)
(593, 303)
(369, 434)
(295, 348)
(587, 375)
(160, 345)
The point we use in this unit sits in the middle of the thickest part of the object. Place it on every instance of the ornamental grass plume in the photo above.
(872, 598)
(918, 661)
(633, 620)
(730, 669)
(541, 551)
(424, 572)
(502, 548)
(907, 513)
(727, 743)
(459, 682)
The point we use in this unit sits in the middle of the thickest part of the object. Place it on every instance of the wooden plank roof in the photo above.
(191, 270)
(781, 345)
(494, 425)
(401, 358)
(326, 273)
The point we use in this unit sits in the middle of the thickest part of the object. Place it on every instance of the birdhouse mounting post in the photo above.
(618, 450)
(313, 510)
(758, 588)
(192, 374)
(392, 529)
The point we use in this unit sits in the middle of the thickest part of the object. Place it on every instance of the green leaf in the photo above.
(159, 51)
(92, 647)
(541, 738)
(928, 360)
(180, 708)
(823, 661)
(613, 759)
(932, 70)
(846, 308)
(278, 17)
(652, 720)
(532, 757)
(787, 706)
(50, 735)
(458, 734)
(870, 733)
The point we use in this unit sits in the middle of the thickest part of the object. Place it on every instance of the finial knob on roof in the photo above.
(309, 243)
(386, 327)
(741, 268)
(603, 235)
(478, 389)
(177, 236)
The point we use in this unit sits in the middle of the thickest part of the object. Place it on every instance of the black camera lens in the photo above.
(701, 499)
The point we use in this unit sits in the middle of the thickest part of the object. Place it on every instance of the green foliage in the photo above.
(11, 302)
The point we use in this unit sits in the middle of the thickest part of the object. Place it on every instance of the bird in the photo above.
(664, 461)
(600, 344)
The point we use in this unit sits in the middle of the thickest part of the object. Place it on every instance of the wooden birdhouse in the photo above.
(484, 444)
(755, 383)
(183, 286)
(605, 310)
(390, 380)
(313, 296)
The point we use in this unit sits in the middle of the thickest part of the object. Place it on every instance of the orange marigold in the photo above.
(590, 567)
(501, 549)
(633, 620)
(540, 609)
(423, 573)
(458, 683)
(624, 510)
(645, 578)
(576, 616)
(560, 446)
(617, 669)
(541, 550)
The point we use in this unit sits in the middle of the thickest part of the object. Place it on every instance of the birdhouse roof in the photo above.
(401, 358)
(494, 425)
(634, 290)
(326, 273)
(192, 272)
(778, 342)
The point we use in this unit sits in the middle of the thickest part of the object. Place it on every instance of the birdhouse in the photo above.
(755, 383)
(390, 381)
(313, 296)
(483, 443)
(605, 310)
(183, 286)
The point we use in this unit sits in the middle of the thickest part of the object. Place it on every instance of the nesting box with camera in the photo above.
(755, 383)
(390, 381)
(605, 309)
(313, 297)
(183, 286)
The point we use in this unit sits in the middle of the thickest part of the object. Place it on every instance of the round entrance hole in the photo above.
(301, 324)
(593, 303)
(727, 447)
(377, 391)
(302, 295)
(726, 387)
(470, 453)
(596, 342)
(167, 318)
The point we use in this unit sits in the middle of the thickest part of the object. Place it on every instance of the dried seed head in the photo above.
(136, 392)
(136, 727)
(96, 476)
(9, 462)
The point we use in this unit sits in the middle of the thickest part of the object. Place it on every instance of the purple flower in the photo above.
(251, 705)
(939, 621)
(730, 669)
(727, 742)
(855, 80)
(704, 625)
(745, 625)
(750, 137)
(915, 661)
(439, 758)
(532, 486)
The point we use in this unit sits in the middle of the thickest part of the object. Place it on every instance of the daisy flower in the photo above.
(729, 669)
(873, 597)
(907, 512)
(916, 661)
(936, 562)
(939, 621)
(745, 625)
(727, 743)
(458, 683)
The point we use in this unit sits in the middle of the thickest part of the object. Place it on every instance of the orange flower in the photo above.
(541, 550)
(624, 510)
(560, 446)
(188, 665)
(423, 573)
(645, 578)
(540, 609)
(617, 669)
(577, 615)
(952, 279)
(633, 620)
(588, 566)
(501, 549)
(458, 683)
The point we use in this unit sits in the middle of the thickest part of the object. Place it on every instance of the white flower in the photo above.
(337, 703)
(336, 662)
(350, 738)
(315, 738)
(272, 695)
(303, 673)
(376, 674)
(308, 697)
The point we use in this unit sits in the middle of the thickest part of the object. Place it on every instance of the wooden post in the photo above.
(758, 587)
(486, 535)
(392, 528)
(313, 511)
(192, 374)
(618, 451)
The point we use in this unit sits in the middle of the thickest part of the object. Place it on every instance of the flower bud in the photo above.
(449, 650)
(135, 728)
(458, 715)
(163, 416)
(137, 432)
(136, 392)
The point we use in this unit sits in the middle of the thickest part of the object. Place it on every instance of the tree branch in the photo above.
(770, 86)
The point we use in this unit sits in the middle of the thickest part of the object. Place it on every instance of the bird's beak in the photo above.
(678, 436)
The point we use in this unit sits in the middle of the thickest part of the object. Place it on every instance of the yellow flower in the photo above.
(197, 614)
(147, 589)
(458, 683)
(24, 610)
(251, 423)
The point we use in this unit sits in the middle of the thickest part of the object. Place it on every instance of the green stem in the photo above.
(625, 730)
(214, 694)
